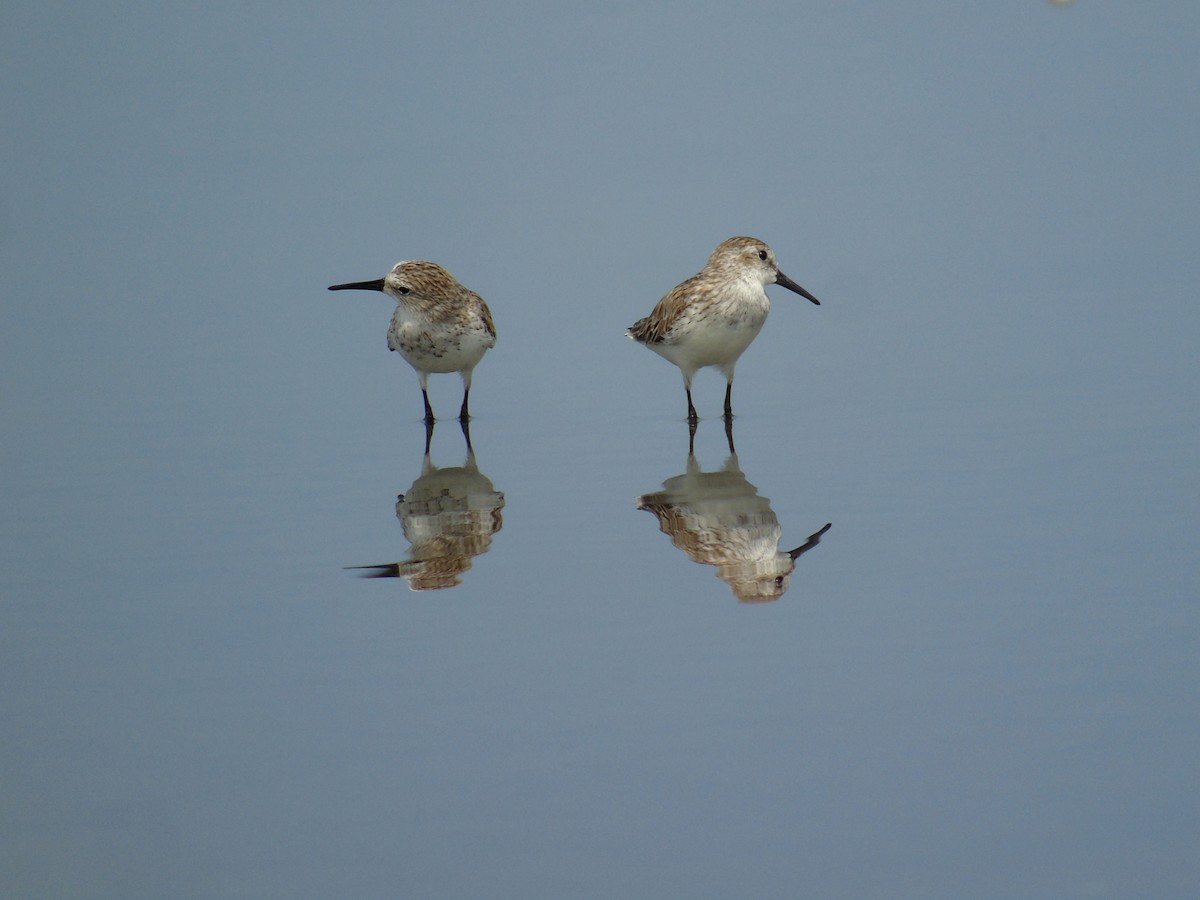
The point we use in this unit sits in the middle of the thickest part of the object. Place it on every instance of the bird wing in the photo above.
(654, 328)
(486, 314)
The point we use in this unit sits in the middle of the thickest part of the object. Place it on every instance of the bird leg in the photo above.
(463, 414)
(428, 436)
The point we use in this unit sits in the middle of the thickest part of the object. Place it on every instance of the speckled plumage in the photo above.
(449, 516)
(718, 518)
(712, 317)
(439, 325)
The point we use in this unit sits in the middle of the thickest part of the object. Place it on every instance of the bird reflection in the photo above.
(449, 516)
(718, 518)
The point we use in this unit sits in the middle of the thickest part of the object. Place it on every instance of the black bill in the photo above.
(782, 279)
(376, 285)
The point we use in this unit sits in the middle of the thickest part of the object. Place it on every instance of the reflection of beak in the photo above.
(780, 278)
(813, 539)
(383, 570)
(376, 285)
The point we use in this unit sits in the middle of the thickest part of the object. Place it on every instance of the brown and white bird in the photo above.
(718, 518)
(438, 326)
(449, 515)
(711, 318)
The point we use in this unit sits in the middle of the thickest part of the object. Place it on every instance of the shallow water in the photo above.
(978, 682)
(982, 660)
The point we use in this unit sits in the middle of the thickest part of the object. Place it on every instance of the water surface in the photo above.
(614, 679)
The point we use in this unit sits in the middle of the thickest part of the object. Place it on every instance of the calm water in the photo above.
(981, 675)
(980, 682)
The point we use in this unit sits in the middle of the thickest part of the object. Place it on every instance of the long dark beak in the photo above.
(782, 279)
(813, 540)
(376, 285)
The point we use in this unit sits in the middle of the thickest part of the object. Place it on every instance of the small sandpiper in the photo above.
(712, 317)
(438, 326)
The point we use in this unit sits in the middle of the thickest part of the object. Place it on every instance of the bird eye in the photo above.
(403, 290)
(762, 254)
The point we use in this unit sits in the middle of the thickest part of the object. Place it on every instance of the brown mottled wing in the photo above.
(486, 314)
(655, 327)
(641, 331)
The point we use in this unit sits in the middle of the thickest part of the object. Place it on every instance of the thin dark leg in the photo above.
(692, 417)
(692, 424)
(463, 414)
(428, 409)
(729, 434)
(466, 430)
(428, 435)
(728, 400)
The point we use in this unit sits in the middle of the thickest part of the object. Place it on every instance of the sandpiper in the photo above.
(450, 516)
(712, 317)
(438, 326)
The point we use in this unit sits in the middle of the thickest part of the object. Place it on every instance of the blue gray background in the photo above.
(981, 683)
